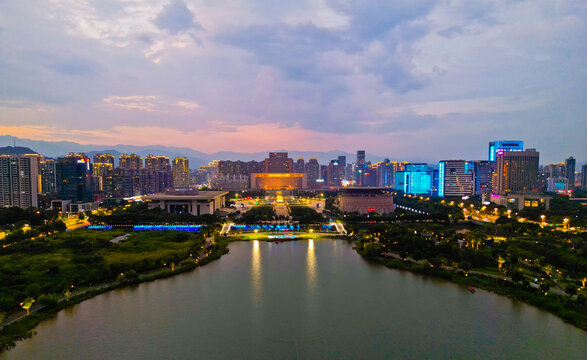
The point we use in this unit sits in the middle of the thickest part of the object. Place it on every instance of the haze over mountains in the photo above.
(197, 158)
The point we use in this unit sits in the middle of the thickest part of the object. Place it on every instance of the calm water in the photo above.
(300, 300)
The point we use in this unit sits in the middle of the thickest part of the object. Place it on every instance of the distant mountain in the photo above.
(16, 150)
(197, 158)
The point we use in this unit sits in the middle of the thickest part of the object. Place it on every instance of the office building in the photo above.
(334, 173)
(483, 176)
(516, 172)
(192, 202)
(415, 179)
(299, 166)
(313, 172)
(570, 172)
(584, 177)
(504, 145)
(48, 176)
(74, 180)
(278, 162)
(181, 173)
(19, 180)
(455, 178)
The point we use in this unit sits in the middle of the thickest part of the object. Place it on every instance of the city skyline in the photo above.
(413, 79)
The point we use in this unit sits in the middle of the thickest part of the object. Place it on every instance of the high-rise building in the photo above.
(313, 171)
(334, 173)
(415, 179)
(104, 159)
(504, 145)
(483, 175)
(584, 177)
(102, 169)
(48, 176)
(130, 162)
(156, 176)
(74, 178)
(159, 163)
(300, 166)
(361, 157)
(385, 173)
(19, 180)
(455, 178)
(181, 173)
(278, 162)
(516, 172)
(570, 172)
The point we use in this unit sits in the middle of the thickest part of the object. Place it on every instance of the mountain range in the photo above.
(197, 158)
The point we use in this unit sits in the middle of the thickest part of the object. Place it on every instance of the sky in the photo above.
(405, 79)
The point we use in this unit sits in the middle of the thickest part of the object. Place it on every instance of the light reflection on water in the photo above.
(311, 266)
(256, 273)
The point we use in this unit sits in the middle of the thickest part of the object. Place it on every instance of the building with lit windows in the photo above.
(48, 176)
(455, 178)
(130, 162)
(181, 173)
(74, 180)
(415, 179)
(516, 172)
(19, 180)
(313, 172)
(570, 172)
(278, 162)
(483, 176)
(504, 145)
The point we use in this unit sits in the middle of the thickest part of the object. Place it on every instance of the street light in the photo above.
(566, 223)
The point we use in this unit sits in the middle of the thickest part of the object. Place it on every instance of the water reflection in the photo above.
(256, 273)
(311, 266)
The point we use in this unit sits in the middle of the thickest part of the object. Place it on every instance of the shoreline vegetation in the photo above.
(148, 249)
(553, 303)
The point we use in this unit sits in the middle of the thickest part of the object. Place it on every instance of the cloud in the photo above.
(175, 17)
(133, 102)
(189, 105)
(404, 77)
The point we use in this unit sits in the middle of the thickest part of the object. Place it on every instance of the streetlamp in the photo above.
(566, 223)
(543, 217)
(509, 214)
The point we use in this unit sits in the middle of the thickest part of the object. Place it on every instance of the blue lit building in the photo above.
(504, 145)
(455, 178)
(415, 179)
(483, 174)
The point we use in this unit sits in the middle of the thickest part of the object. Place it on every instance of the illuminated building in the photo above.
(276, 181)
(516, 172)
(278, 162)
(313, 171)
(584, 177)
(195, 203)
(334, 173)
(130, 162)
(181, 173)
(522, 201)
(570, 172)
(19, 180)
(504, 145)
(385, 173)
(48, 176)
(360, 168)
(483, 175)
(455, 178)
(415, 179)
(365, 200)
(73, 173)
(156, 175)
(557, 184)
(104, 159)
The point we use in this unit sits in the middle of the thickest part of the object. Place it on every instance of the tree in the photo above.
(33, 290)
(27, 303)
